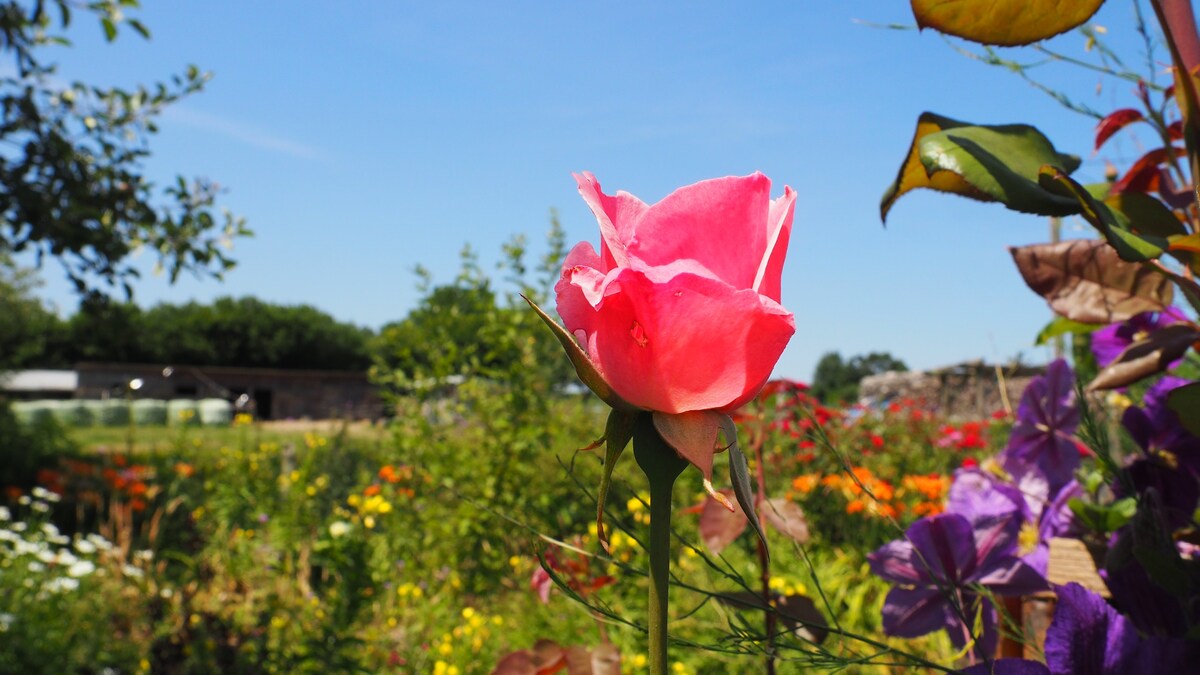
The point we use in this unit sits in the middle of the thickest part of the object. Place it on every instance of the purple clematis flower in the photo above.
(1087, 635)
(1041, 515)
(939, 567)
(1110, 341)
(1171, 460)
(1043, 435)
(1155, 426)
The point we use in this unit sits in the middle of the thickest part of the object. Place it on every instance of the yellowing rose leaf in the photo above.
(1007, 23)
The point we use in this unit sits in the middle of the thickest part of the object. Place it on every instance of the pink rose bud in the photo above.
(680, 311)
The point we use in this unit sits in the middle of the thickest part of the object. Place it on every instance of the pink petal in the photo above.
(573, 306)
(721, 223)
(616, 217)
(670, 340)
(769, 278)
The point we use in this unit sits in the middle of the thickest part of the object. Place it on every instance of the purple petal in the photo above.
(1110, 341)
(1012, 576)
(1046, 420)
(944, 547)
(1087, 635)
(894, 562)
(913, 612)
(1007, 667)
(977, 494)
(995, 540)
(985, 641)
(1058, 520)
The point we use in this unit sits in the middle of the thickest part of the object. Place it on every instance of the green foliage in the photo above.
(836, 380)
(470, 329)
(245, 332)
(72, 186)
(30, 332)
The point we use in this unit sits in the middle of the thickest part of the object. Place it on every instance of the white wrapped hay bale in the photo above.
(114, 413)
(182, 412)
(149, 412)
(79, 413)
(216, 412)
(95, 408)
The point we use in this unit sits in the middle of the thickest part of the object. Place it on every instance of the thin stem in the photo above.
(662, 465)
(764, 560)
(660, 572)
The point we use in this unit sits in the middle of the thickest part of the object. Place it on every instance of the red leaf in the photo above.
(784, 515)
(1115, 121)
(1175, 130)
(1143, 175)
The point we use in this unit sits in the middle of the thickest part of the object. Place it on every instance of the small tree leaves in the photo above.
(1086, 281)
(1007, 23)
(719, 526)
(584, 367)
(1114, 122)
(1185, 401)
(988, 163)
(1145, 175)
(739, 475)
(617, 433)
(1145, 357)
(787, 517)
(1112, 224)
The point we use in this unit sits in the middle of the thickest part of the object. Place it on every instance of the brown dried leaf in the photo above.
(718, 526)
(787, 517)
(1086, 281)
(1148, 356)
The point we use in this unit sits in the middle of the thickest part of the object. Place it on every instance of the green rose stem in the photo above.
(662, 465)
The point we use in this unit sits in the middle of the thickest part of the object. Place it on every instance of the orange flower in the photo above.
(855, 506)
(185, 470)
(372, 490)
(805, 483)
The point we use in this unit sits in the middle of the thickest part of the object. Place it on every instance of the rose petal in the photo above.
(675, 342)
(769, 279)
(616, 217)
(721, 223)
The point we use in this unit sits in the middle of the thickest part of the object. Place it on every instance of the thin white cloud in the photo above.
(237, 131)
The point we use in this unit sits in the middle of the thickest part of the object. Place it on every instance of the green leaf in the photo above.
(1185, 401)
(110, 29)
(1112, 224)
(139, 27)
(1145, 214)
(617, 432)
(1103, 519)
(1007, 23)
(1086, 281)
(1060, 325)
(739, 475)
(584, 367)
(989, 163)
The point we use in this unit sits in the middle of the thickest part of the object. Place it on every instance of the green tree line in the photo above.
(245, 332)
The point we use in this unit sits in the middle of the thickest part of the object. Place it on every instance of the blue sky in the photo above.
(361, 139)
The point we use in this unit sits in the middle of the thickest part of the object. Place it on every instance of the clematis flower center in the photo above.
(1027, 540)
(639, 334)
